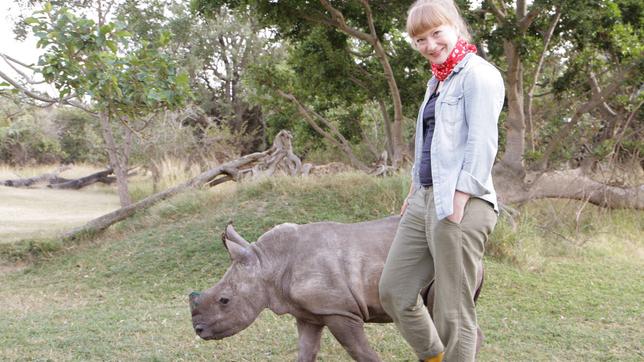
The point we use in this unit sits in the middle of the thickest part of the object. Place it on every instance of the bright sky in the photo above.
(24, 51)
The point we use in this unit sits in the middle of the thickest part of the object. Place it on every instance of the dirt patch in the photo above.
(12, 268)
(42, 213)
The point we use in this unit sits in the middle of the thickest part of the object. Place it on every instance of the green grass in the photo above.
(574, 295)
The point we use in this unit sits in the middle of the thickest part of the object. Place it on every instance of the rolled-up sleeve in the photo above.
(483, 95)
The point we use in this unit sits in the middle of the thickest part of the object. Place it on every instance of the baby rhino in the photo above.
(324, 274)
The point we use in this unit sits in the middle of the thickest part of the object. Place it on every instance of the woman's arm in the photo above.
(483, 97)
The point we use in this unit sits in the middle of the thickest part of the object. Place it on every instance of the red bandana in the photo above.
(461, 49)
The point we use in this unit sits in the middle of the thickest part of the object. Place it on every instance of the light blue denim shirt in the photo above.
(465, 140)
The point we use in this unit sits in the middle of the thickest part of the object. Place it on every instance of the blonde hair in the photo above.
(424, 15)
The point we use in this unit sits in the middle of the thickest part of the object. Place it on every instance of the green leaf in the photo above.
(64, 93)
(106, 28)
(182, 80)
(123, 34)
(112, 45)
(164, 38)
(31, 21)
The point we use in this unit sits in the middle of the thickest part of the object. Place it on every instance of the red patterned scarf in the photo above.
(461, 49)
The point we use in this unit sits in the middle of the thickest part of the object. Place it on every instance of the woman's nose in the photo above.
(426, 46)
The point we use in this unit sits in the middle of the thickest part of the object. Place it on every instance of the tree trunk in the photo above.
(117, 161)
(397, 125)
(26, 182)
(568, 184)
(101, 176)
(387, 127)
(515, 121)
(338, 20)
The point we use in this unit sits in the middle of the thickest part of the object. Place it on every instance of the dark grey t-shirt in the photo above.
(429, 123)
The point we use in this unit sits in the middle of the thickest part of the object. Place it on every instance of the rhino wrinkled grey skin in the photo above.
(324, 274)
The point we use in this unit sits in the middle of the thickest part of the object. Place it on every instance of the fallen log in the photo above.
(26, 182)
(281, 151)
(79, 183)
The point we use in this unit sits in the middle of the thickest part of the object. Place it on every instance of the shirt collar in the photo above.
(457, 68)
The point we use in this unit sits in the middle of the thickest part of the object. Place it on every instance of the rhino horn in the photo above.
(232, 235)
(238, 252)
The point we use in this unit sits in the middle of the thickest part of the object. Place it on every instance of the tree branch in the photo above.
(530, 95)
(591, 104)
(10, 62)
(372, 27)
(527, 20)
(340, 142)
(44, 97)
(499, 12)
(521, 8)
(595, 88)
(338, 19)
(631, 116)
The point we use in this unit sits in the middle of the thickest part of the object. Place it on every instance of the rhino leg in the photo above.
(350, 334)
(309, 340)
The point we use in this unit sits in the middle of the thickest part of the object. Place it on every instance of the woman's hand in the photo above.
(404, 206)
(460, 199)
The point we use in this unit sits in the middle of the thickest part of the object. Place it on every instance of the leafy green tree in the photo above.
(123, 81)
(573, 73)
(583, 53)
(565, 64)
(342, 56)
(216, 53)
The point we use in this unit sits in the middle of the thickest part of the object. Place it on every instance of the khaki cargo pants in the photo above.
(424, 249)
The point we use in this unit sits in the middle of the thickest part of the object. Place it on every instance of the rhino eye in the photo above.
(223, 300)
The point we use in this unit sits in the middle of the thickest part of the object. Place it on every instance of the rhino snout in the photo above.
(202, 332)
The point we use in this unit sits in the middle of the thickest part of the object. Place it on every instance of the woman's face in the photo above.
(435, 44)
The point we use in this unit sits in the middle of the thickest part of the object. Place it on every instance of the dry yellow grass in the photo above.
(38, 213)
(75, 171)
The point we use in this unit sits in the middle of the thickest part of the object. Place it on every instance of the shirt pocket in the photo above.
(451, 108)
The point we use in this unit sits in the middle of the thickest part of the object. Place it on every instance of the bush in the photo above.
(79, 136)
(28, 139)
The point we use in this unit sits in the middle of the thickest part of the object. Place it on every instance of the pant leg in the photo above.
(409, 268)
(458, 253)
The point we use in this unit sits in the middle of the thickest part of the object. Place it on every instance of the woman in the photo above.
(451, 207)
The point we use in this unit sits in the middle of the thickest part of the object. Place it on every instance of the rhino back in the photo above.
(329, 268)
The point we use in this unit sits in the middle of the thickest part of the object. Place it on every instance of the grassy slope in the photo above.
(123, 296)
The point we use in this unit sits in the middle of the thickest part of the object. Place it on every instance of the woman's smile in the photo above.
(436, 43)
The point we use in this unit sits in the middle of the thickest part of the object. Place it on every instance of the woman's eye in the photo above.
(437, 33)
(223, 300)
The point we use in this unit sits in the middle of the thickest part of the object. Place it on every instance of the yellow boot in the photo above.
(436, 358)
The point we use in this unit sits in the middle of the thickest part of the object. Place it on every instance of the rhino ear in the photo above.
(238, 253)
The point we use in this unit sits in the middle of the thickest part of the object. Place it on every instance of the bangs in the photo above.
(423, 17)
